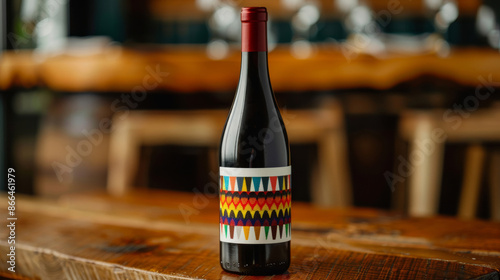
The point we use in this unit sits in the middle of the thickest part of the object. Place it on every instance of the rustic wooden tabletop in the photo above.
(169, 235)
(184, 70)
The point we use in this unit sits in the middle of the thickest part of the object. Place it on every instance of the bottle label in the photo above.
(255, 205)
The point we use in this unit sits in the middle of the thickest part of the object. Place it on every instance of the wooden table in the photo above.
(144, 236)
(187, 69)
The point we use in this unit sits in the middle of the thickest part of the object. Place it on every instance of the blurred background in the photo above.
(118, 94)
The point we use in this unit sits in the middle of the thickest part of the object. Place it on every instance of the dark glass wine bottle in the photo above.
(255, 182)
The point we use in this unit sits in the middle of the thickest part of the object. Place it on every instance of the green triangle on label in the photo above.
(256, 183)
(225, 230)
(266, 230)
(286, 230)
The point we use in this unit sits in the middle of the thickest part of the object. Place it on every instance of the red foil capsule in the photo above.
(253, 29)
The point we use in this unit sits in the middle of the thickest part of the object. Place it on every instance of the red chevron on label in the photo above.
(273, 182)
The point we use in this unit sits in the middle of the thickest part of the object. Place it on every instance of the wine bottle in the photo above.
(255, 183)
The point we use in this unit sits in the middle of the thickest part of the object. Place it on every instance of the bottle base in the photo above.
(255, 259)
(258, 271)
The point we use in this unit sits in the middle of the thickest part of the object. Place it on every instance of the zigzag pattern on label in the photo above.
(255, 200)
(254, 184)
(255, 210)
(242, 208)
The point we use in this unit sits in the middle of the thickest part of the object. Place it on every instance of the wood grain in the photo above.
(116, 69)
(144, 236)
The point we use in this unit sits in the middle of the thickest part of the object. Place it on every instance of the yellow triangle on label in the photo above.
(244, 188)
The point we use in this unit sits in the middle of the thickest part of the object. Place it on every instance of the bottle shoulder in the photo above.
(254, 140)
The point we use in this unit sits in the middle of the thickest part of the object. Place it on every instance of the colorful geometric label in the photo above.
(255, 205)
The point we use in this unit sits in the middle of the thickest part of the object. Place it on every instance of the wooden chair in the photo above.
(427, 132)
(330, 183)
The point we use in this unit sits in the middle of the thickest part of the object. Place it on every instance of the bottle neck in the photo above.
(254, 86)
(254, 36)
(254, 66)
(254, 77)
(254, 49)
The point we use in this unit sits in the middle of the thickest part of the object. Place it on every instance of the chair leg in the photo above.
(426, 162)
(495, 186)
(334, 185)
(474, 162)
(123, 158)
